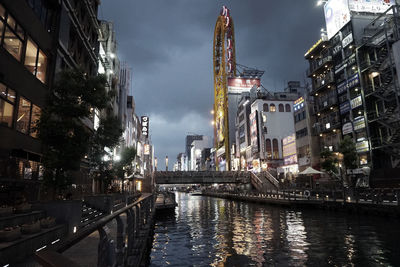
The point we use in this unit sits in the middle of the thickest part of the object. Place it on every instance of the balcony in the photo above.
(326, 103)
(318, 65)
(321, 83)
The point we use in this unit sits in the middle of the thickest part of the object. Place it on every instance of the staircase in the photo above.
(264, 181)
(89, 215)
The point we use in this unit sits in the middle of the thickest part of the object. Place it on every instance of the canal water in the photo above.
(206, 231)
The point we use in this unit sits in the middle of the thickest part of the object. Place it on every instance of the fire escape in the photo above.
(381, 88)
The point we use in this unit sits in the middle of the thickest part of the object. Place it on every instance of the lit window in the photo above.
(7, 100)
(12, 43)
(30, 56)
(35, 117)
(1, 29)
(24, 112)
(2, 12)
(41, 67)
(272, 108)
(35, 61)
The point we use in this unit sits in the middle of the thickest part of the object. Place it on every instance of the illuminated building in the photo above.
(355, 85)
(307, 144)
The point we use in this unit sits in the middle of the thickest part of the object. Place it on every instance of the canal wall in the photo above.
(340, 205)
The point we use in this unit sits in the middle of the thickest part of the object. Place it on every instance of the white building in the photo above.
(195, 151)
(271, 120)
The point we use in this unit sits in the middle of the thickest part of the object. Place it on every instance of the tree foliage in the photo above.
(107, 136)
(124, 165)
(329, 161)
(348, 148)
(61, 127)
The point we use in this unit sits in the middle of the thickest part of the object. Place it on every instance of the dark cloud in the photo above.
(168, 44)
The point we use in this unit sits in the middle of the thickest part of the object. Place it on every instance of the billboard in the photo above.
(370, 6)
(239, 85)
(146, 149)
(254, 132)
(289, 150)
(337, 14)
(145, 125)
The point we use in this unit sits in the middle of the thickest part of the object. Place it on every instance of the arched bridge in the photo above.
(261, 181)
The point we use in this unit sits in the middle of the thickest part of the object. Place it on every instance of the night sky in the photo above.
(168, 44)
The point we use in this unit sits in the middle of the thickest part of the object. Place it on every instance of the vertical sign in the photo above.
(145, 126)
(254, 132)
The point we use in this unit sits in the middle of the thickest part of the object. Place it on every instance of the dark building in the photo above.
(38, 38)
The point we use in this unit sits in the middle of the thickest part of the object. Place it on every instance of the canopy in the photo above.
(310, 171)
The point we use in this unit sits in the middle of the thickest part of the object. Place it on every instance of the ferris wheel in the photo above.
(224, 63)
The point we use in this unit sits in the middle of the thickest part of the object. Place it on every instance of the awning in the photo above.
(310, 171)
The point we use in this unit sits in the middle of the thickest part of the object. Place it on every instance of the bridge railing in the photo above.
(129, 243)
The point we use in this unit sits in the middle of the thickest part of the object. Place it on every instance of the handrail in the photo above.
(75, 238)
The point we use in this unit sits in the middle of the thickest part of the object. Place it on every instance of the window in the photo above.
(272, 108)
(13, 37)
(2, 12)
(265, 107)
(35, 61)
(24, 113)
(7, 101)
(12, 43)
(287, 107)
(275, 148)
(30, 56)
(35, 117)
(281, 109)
(268, 148)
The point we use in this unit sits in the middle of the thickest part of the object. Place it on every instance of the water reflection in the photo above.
(207, 231)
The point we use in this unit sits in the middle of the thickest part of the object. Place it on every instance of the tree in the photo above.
(61, 128)
(329, 161)
(348, 148)
(106, 137)
(124, 165)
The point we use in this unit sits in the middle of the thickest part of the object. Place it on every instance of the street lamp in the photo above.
(166, 163)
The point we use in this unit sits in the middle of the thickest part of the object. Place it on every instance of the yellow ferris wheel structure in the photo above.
(224, 59)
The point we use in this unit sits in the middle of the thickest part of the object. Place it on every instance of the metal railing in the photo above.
(138, 219)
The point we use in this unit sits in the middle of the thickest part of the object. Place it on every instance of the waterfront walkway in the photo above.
(322, 201)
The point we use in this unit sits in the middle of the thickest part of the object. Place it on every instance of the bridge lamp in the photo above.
(166, 163)
(212, 111)
(212, 122)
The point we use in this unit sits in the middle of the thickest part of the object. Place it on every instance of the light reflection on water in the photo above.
(206, 231)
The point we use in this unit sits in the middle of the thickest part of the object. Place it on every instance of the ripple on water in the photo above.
(216, 232)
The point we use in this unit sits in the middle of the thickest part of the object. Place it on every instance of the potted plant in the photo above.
(48, 222)
(5, 210)
(9, 234)
(31, 228)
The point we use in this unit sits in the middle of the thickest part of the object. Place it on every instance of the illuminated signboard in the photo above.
(145, 125)
(146, 149)
(337, 14)
(370, 6)
(347, 128)
(362, 146)
(254, 132)
(344, 107)
(359, 123)
(289, 150)
(239, 85)
(298, 104)
(356, 102)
